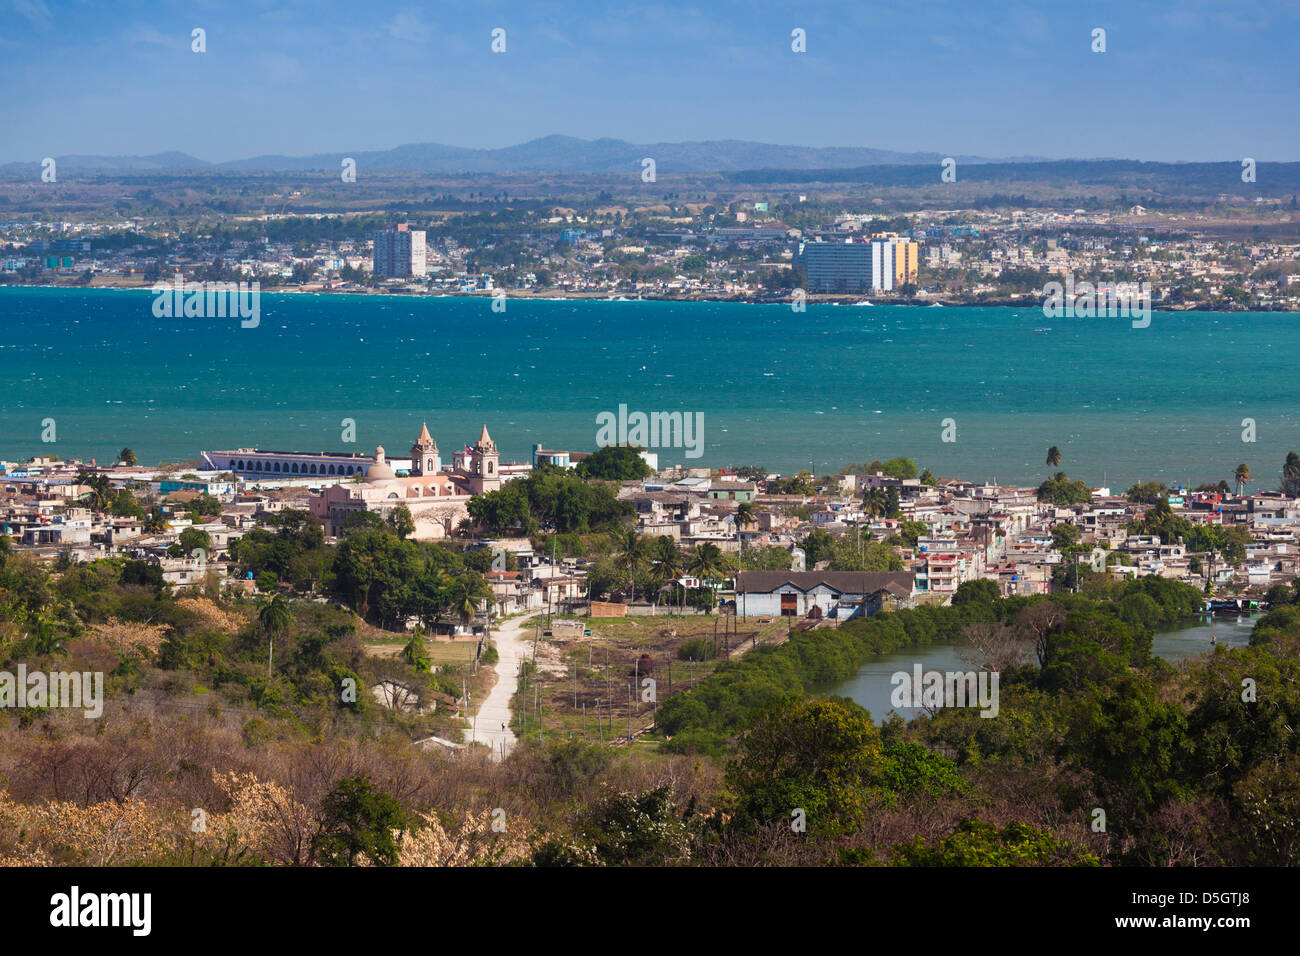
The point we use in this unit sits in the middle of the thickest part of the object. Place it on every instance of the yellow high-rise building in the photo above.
(906, 266)
(900, 257)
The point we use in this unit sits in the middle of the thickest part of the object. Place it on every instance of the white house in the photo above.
(835, 594)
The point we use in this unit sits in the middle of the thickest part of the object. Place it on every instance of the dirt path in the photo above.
(513, 646)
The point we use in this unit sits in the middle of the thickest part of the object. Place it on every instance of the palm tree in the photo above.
(1053, 456)
(875, 501)
(744, 516)
(99, 485)
(1242, 476)
(630, 550)
(667, 564)
(156, 523)
(1291, 475)
(466, 607)
(705, 563)
(274, 619)
(468, 590)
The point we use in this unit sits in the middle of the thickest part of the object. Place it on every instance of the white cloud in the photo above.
(408, 25)
(35, 11)
(148, 33)
(281, 68)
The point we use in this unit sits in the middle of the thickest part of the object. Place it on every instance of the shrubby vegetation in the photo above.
(1060, 490)
(552, 499)
(1191, 765)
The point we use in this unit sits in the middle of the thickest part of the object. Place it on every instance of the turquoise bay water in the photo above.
(829, 386)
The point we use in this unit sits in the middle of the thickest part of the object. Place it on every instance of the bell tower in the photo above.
(483, 464)
(424, 454)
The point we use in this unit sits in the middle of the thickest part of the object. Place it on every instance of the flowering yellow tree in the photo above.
(102, 834)
(475, 843)
(129, 638)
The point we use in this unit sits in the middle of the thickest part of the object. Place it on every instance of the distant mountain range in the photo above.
(549, 154)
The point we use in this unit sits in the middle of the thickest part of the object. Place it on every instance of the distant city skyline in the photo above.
(1207, 80)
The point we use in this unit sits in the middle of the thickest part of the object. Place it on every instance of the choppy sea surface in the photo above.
(785, 390)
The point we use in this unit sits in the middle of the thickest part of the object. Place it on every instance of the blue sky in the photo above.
(1187, 80)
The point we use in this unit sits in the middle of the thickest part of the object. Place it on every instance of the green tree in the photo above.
(274, 619)
(359, 820)
(1060, 490)
(631, 551)
(666, 562)
(976, 843)
(909, 532)
(821, 757)
(614, 463)
(1147, 492)
(1066, 537)
(1291, 475)
(1242, 477)
(978, 591)
(100, 488)
(401, 522)
(705, 562)
(1053, 456)
(416, 652)
(638, 829)
(899, 468)
(127, 457)
(125, 505)
(194, 539)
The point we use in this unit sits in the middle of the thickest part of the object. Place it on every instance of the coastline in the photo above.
(559, 295)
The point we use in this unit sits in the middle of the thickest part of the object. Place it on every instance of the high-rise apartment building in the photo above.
(399, 253)
(884, 264)
(831, 267)
(894, 263)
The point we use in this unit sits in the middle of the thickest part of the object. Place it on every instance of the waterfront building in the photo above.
(882, 265)
(399, 253)
(831, 267)
(894, 263)
(436, 497)
(258, 463)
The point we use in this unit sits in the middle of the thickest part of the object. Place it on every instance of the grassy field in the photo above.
(589, 687)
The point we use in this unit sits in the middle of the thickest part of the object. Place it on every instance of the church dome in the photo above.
(380, 470)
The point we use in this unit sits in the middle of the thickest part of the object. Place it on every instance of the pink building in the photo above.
(436, 497)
